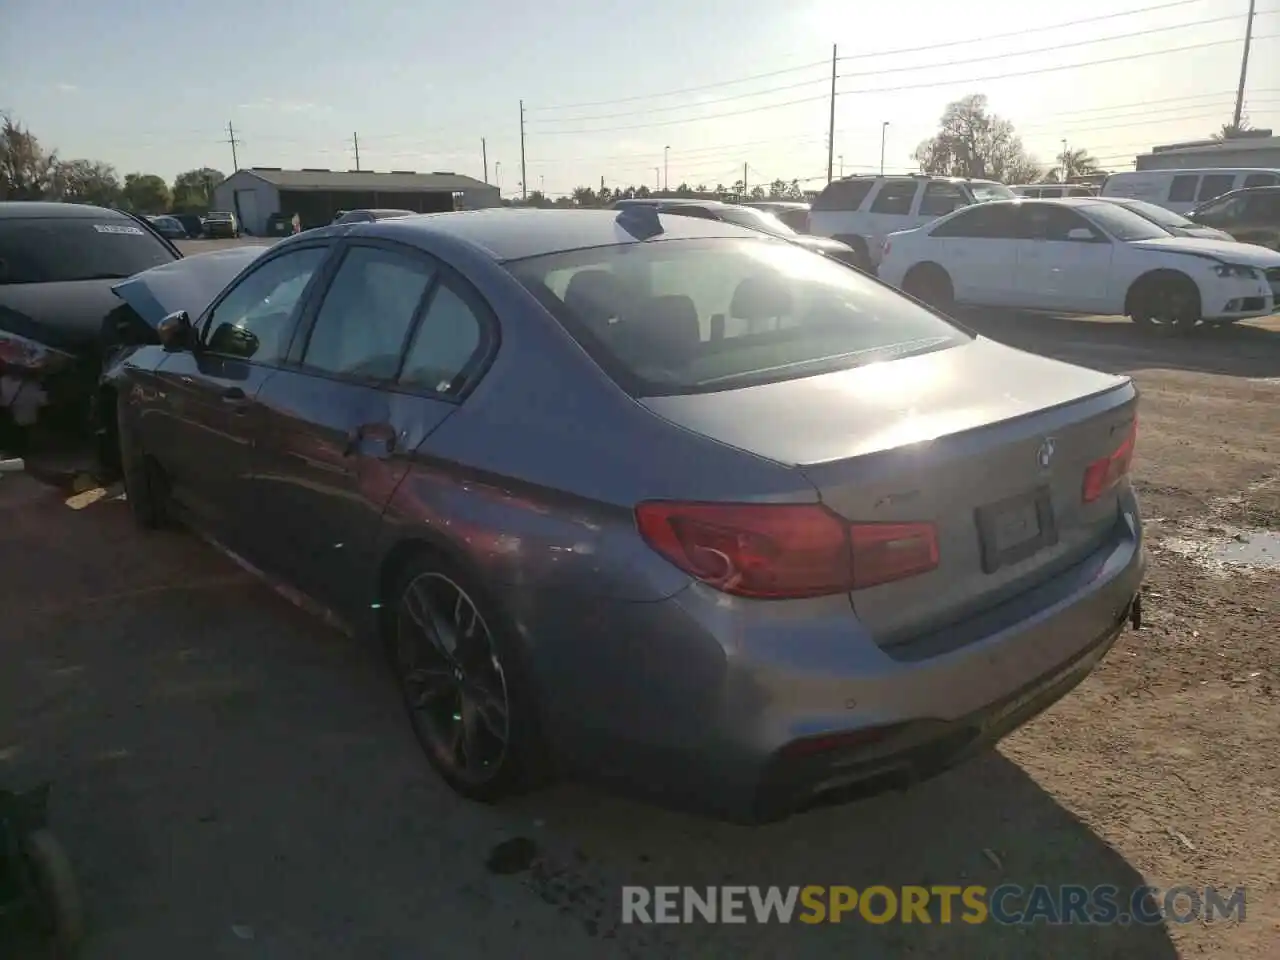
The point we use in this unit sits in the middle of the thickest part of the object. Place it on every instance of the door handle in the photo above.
(383, 433)
(235, 398)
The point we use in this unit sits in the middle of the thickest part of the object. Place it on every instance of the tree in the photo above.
(971, 142)
(1229, 130)
(145, 193)
(26, 171)
(1078, 163)
(85, 181)
(584, 196)
(193, 190)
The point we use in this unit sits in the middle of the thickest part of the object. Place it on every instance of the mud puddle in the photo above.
(1227, 548)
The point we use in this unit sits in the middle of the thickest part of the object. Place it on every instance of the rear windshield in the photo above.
(60, 249)
(694, 316)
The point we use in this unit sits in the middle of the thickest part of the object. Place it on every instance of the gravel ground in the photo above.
(236, 780)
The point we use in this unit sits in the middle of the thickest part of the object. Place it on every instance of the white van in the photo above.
(1184, 190)
(1054, 191)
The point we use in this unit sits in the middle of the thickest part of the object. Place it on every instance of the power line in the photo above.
(908, 69)
(863, 56)
(915, 86)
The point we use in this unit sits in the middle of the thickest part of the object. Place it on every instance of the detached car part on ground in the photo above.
(648, 499)
(59, 321)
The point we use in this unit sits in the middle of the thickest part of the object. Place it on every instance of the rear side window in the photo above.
(364, 320)
(1261, 180)
(1182, 189)
(985, 222)
(843, 195)
(895, 197)
(1215, 185)
(447, 340)
(695, 316)
(60, 249)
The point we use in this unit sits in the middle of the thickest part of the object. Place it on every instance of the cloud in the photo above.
(284, 106)
(65, 87)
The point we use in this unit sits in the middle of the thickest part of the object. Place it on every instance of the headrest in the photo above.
(759, 298)
(595, 297)
(659, 328)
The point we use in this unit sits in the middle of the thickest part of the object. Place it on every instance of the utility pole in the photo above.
(744, 180)
(524, 179)
(231, 139)
(657, 179)
(884, 128)
(666, 179)
(1244, 70)
(831, 123)
(355, 140)
(484, 155)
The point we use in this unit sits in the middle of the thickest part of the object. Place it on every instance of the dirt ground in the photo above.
(236, 780)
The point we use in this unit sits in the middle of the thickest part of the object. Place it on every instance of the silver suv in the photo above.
(861, 211)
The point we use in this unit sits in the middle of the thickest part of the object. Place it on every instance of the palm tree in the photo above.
(1229, 130)
(1078, 163)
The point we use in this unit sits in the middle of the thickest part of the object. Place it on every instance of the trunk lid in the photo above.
(986, 442)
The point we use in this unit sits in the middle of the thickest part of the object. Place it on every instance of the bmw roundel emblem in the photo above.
(1044, 456)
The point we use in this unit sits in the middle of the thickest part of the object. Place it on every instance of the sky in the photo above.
(660, 92)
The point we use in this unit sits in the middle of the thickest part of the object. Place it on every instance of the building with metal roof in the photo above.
(254, 194)
(1253, 148)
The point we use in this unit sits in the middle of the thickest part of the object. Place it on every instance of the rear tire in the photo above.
(1166, 300)
(464, 682)
(861, 253)
(930, 284)
(145, 487)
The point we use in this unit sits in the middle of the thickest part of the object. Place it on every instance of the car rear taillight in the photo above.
(784, 551)
(1105, 472)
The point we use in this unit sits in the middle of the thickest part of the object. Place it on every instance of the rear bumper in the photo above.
(703, 700)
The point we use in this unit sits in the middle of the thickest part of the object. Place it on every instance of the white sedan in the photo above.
(1079, 255)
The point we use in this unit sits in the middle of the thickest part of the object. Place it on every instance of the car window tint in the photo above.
(444, 344)
(255, 319)
(987, 222)
(940, 198)
(1215, 185)
(1182, 189)
(1043, 221)
(365, 317)
(60, 249)
(894, 197)
(843, 195)
(1261, 180)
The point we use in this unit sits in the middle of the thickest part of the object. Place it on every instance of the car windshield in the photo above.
(754, 219)
(1156, 214)
(694, 316)
(984, 190)
(1123, 224)
(61, 249)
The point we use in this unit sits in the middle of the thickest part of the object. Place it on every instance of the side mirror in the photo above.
(176, 333)
(1080, 233)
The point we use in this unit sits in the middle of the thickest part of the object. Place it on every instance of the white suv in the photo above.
(861, 211)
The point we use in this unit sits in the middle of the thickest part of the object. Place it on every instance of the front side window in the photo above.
(940, 198)
(1043, 221)
(254, 321)
(692, 316)
(66, 249)
(362, 324)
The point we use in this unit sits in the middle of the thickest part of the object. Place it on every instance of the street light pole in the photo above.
(1063, 178)
(842, 166)
(884, 128)
(666, 179)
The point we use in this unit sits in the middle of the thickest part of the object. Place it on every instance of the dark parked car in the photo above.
(169, 227)
(752, 219)
(650, 498)
(1251, 215)
(794, 213)
(369, 216)
(59, 321)
(191, 223)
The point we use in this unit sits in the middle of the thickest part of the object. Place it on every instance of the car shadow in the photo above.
(227, 769)
(1249, 350)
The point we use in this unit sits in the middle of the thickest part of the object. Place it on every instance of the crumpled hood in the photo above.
(189, 284)
(1223, 251)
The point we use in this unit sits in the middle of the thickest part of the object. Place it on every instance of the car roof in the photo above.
(505, 234)
(19, 209)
